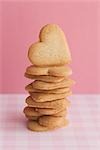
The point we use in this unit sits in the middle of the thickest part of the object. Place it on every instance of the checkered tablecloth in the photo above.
(83, 132)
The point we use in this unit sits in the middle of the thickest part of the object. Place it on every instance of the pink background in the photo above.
(20, 23)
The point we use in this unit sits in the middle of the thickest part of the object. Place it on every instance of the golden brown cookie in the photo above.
(50, 86)
(51, 49)
(51, 121)
(57, 71)
(32, 117)
(50, 73)
(49, 111)
(44, 97)
(35, 126)
(61, 113)
(31, 111)
(30, 88)
(44, 78)
(53, 104)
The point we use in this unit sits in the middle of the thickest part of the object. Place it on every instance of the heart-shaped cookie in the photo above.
(30, 88)
(52, 48)
(35, 126)
(44, 97)
(53, 104)
(31, 111)
(52, 121)
(57, 71)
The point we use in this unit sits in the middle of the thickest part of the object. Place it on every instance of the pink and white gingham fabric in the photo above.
(83, 132)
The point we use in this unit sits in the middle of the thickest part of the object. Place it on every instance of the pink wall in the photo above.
(19, 27)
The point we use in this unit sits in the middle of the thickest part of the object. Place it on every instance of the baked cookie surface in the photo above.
(52, 48)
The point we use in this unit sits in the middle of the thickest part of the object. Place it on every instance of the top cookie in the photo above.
(52, 48)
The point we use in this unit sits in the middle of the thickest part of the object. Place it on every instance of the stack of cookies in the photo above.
(49, 72)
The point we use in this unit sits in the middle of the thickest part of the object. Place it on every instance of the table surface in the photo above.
(82, 133)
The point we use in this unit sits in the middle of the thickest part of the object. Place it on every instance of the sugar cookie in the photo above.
(51, 49)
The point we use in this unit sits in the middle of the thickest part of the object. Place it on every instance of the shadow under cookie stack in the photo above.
(51, 83)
